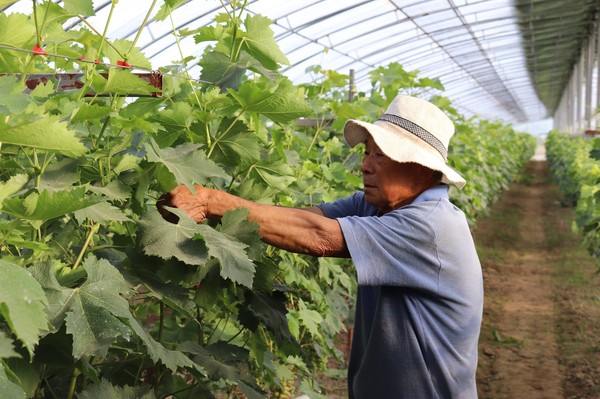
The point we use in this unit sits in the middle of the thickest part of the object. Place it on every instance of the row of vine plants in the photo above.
(99, 296)
(574, 162)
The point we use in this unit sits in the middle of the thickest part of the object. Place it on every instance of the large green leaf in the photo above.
(217, 68)
(268, 309)
(158, 237)
(59, 175)
(6, 347)
(168, 7)
(186, 162)
(22, 303)
(235, 224)
(236, 145)
(283, 103)
(134, 56)
(15, 29)
(122, 81)
(79, 7)
(48, 134)
(8, 388)
(274, 174)
(105, 390)
(48, 205)
(102, 212)
(225, 361)
(172, 359)
(13, 101)
(12, 185)
(94, 312)
(259, 42)
(231, 253)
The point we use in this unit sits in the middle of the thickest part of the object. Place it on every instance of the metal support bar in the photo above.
(72, 81)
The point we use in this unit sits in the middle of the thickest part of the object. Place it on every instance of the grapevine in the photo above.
(114, 301)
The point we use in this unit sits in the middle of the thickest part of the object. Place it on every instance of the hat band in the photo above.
(418, 131)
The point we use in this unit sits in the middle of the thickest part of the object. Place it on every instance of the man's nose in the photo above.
(366, 166)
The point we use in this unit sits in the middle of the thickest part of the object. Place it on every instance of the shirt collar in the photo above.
(433, 193)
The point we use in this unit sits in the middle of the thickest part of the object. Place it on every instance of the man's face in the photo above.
(389, 184)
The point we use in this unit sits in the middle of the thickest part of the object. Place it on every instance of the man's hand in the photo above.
(195, 204)
(304, 231)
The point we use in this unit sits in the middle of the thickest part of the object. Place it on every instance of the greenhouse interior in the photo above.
(300, 199)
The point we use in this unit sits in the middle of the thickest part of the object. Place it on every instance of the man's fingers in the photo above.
(165, 200)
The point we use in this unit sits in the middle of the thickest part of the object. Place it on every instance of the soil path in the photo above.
(524, 245)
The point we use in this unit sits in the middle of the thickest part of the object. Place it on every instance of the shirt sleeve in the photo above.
(397, 249)
(353, 205)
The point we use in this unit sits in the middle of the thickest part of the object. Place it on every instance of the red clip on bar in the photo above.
(37, 50)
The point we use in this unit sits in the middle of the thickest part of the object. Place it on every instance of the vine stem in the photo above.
(93, 230)
(139, 32)
(161, 321)
(186, 71)
(73, 384)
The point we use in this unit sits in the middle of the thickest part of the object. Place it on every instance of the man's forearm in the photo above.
(295, 230)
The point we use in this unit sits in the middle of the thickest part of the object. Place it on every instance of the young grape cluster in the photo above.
(285, 391)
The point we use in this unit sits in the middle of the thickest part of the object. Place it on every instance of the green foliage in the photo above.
(575, 166)
(489, 155)
(99, 295)
(22, 302)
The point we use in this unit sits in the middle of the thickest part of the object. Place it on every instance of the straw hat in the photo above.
(411, 130)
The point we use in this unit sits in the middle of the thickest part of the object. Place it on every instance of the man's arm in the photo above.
(304, 231)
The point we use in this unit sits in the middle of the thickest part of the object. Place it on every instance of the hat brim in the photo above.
(411, 149)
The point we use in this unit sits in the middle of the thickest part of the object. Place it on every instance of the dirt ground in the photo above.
(540, 336)
(541, 328)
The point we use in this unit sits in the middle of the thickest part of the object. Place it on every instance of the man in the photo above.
(420, 294)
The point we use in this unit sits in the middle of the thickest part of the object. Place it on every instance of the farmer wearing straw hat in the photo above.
(420, 290)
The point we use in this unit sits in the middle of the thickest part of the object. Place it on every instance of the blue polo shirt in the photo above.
(420, 298)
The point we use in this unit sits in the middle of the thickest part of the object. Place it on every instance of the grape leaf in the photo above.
(122, 81)
(274, 174)
(220, 70)
(14, 184)
(187, 164)
(260, 42)
(310, 318)
(81, 7)
(14, 101)
(236, 145)
(6, 347)
(171, 293)
(48, 205)
(235, 264)
(115, 190)
(8, 388)
(93, 311)
(134, 56)
(168, 7)
(101, 212)
(22, 303)
(282, 104)
(59, 175)
(48, 134)
(15, 30)
(90, 112)
(105, 390)
(160, 238)
(268, 309)
(170, 358)
(225, 361)
(96, 313)
(235, 224)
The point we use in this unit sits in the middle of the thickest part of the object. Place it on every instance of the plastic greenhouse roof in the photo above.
(506, 59)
